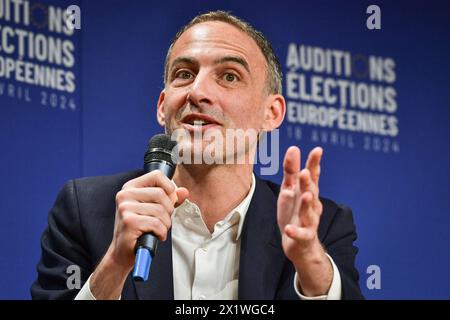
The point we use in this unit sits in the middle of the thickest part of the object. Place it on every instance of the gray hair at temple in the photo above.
(273, 75)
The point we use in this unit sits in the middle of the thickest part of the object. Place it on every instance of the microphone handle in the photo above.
(147, 243)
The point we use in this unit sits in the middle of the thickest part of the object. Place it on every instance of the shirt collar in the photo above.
(241, 209)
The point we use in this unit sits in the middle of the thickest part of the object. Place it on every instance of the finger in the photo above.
(152, 225)
(313, 163)
(152, 179)
(146, 195)
(147, 209)
(291, 167)
(308, 217)
(141, 224)
(307, 184)
(298, 233)
(285, 206)
(182, 194)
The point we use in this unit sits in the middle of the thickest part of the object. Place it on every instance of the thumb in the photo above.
(182, 194)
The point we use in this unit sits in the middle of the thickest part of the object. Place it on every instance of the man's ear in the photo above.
(274, 112)
(160, 109)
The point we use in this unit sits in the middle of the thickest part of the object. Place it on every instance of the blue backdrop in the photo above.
(98, 119)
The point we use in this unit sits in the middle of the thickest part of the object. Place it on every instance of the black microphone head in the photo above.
(160, 148)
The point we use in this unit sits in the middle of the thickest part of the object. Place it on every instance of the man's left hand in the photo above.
(299, 211)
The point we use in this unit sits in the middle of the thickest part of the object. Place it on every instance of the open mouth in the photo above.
(195, 122)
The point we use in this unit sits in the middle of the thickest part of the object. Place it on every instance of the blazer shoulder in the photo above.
(96, 186)
(111, 181)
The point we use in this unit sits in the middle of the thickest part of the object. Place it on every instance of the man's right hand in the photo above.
(144, 205)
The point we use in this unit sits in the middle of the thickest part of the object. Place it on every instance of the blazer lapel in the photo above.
(262, 258)
(159, 285)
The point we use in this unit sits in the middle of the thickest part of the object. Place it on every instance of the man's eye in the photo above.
(185, 75)
(230, 77)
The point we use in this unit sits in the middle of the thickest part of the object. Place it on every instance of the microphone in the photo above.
(157, 157)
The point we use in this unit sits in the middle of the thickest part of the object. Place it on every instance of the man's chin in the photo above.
(210, 153)
(212, 145)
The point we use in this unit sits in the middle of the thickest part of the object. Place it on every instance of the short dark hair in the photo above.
(274, 73)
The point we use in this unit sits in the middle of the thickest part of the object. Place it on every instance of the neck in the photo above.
(215, 189)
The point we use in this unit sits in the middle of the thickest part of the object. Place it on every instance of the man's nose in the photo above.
(202, 90)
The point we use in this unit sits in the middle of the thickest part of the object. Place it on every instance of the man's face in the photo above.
(216, 80)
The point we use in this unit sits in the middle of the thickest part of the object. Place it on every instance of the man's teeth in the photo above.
(200, 122)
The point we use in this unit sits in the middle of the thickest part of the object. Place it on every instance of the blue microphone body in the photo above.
(157, 157)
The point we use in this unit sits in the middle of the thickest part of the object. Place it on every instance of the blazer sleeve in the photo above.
(339, 245)
(63, 246)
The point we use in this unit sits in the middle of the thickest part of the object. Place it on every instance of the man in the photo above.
(224, 233)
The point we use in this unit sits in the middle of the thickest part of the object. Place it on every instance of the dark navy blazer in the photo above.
(80, 230)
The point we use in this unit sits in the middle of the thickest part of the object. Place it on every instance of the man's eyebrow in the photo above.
(181, 60)
(233, 59)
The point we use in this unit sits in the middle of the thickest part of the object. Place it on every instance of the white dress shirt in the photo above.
(205, 264)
